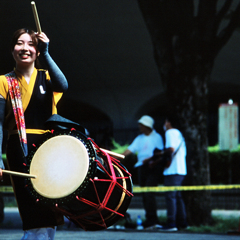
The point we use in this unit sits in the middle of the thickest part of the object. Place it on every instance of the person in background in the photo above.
(144, 145)
(174, 175)
(28, 97)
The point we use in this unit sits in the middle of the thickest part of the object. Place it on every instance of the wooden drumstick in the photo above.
(113, 153)
(36, 17)
(19, 174)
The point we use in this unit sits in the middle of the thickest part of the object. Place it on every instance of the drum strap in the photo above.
(16, 100)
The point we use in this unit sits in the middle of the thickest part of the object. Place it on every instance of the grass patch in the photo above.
(11, 204)
(220, 225)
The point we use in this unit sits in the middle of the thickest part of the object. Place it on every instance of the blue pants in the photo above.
(176, 212)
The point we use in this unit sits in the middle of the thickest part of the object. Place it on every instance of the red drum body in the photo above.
(74, 176)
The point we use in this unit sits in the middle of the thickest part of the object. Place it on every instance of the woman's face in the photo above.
(24, 52)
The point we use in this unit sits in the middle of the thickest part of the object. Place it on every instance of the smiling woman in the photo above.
(28, 98)
(25, 54)
(24, 49)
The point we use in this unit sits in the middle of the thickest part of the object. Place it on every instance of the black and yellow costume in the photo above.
(39, 102)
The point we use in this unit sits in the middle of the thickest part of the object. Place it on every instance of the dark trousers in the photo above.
(149, 177)
(33, 213)
(176, 212)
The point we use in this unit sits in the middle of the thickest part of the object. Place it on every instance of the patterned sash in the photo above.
(16, 100)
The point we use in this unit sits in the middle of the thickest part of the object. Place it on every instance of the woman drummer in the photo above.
(28, 97)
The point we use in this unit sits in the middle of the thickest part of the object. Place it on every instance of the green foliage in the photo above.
(213, 149)
(129, 161)
(216, 148)
(4, 158)
(118, 148)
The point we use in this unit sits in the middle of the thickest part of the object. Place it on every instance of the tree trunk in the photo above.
(185, 66)
(186, 39)
(191, 109)
(187, 92)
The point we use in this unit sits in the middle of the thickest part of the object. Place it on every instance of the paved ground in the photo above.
(120, 235)
(11, 230)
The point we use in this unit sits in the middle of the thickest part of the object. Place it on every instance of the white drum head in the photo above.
(61, 165)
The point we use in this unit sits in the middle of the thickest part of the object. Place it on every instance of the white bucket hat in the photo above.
(146, 121)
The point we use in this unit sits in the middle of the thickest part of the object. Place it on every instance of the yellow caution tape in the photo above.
(9, 189)
(184, 188)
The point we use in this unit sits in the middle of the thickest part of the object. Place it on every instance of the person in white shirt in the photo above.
(144, 145)
(174, 175)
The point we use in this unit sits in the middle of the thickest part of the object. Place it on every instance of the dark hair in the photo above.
(21, 31)
(16, 36)
(172, 118)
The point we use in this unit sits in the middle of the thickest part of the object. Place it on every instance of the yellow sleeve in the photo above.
(3, 86)
(47, 75)
(56, 96)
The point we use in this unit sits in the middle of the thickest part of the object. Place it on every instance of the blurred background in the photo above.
(105, 51)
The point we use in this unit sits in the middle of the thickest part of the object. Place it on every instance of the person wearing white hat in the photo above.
(147, 121)
(144, 145)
